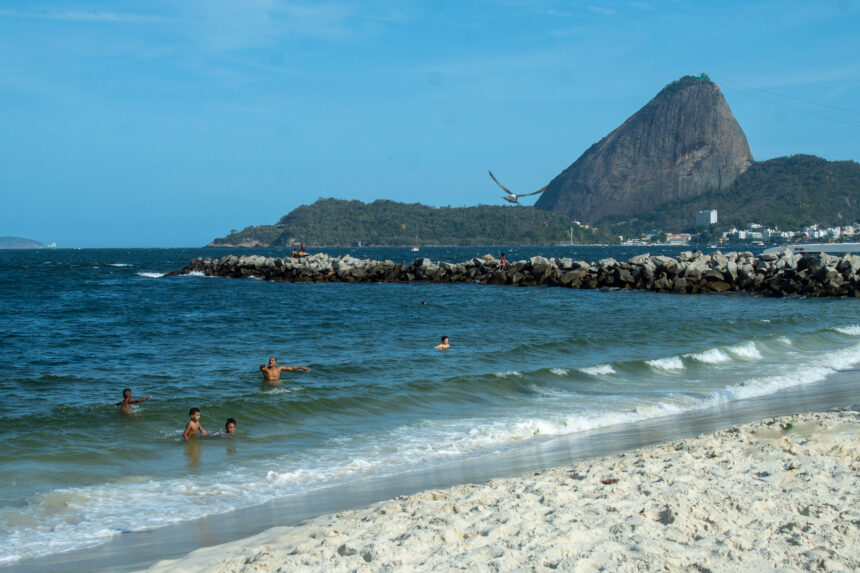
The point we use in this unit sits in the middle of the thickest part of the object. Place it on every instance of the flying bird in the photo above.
(514, 197)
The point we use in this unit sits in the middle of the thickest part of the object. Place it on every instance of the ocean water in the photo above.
(526, 364)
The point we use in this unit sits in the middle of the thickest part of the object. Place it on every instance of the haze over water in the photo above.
(76, 327)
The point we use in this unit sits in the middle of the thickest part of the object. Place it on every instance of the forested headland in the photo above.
(785, 192)
(338, 223)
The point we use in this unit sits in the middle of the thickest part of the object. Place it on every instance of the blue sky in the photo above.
(169, 123)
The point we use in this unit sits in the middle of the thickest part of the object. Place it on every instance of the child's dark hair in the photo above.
(126, 391)
(230, 421)
(192, 411)
(443, 338)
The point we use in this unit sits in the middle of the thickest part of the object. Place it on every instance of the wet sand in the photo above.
(141, 549)
(775, 494)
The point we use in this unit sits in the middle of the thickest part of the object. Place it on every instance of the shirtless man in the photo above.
(444, 345)
(125, 405)
(272, 372)
(193, 425)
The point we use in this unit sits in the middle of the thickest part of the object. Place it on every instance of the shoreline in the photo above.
(137, 550)
(778, 493)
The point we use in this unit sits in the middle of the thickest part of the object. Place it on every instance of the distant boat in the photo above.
(53, 245)
(415, 249)
(833, 248)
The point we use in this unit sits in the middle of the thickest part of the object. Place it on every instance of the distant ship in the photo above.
(53, 245)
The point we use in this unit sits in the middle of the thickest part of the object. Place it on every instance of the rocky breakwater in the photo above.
(782, 274)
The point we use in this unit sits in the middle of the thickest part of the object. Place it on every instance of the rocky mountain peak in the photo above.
(682, 143)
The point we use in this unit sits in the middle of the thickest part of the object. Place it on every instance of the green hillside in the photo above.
(786, 192)
(336, 222)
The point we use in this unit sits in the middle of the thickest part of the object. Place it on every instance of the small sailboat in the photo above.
(414, 248)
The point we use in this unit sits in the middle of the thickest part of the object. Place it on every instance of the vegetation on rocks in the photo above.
(786, 193)
(335, 222)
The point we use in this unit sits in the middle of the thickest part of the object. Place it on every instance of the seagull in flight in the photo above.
(514, 197)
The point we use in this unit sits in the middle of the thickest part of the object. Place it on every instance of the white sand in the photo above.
(753, 498)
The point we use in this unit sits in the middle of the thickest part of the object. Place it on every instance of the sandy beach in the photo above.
(780, 493)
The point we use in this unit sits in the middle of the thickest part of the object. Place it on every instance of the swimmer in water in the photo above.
(193, 425)
(125, 404)
(230, 426)
(444, 345)
(272, 372)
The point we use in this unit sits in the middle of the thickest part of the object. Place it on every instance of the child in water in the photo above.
(444, 345)
(193, 425)
(230, 426)
(125, 404)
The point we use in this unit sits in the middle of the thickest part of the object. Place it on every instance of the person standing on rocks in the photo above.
(272, 371)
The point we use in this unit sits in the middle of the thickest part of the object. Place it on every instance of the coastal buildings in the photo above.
(755, 232)
(706, 218)
(678, 238)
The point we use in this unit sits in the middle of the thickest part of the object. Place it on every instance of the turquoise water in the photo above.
(76, 327)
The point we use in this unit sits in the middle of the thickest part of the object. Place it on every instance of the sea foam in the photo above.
(712, 356)
(849, 330)
(746, 351)
(669, 363)
(509, 374)
(599, 370)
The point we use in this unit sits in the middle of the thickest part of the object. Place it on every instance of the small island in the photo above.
(19, 243)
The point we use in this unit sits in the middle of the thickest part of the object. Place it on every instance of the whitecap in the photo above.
(670, 363)
(747, 351)
(150, 275)
(712, 356)
(559, 371)
(814, 370)
(599, 370)
(508, 374)
(849, 330)
(118, 265)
